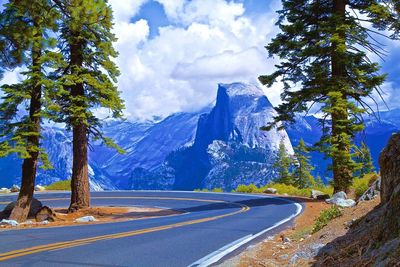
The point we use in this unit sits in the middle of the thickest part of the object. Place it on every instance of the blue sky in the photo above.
(173, 53)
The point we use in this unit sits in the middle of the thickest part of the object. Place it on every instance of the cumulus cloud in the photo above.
(207, 42)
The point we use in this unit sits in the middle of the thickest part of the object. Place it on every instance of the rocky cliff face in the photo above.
(373, 240)
(390, 193)
(229, 148)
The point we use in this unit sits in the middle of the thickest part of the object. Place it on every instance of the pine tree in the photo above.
(24, 41)
(282, 165)
(302, 169)
(323, 49)
(318, 182)
(88, 81)
(364, 159)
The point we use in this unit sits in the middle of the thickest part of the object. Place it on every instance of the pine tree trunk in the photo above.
(341, 172)
(80, 195)
(29, 166)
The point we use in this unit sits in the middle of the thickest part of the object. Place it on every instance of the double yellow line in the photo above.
(85, 241)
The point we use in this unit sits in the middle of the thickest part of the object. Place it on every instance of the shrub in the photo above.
(60, 185)
(218, 190)
(251, 188)
(294, 191)
(360, 185)
(325, 217)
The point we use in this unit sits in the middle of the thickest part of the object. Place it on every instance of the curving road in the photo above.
(212, 226)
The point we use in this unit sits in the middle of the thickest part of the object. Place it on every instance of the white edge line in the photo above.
(222, 252)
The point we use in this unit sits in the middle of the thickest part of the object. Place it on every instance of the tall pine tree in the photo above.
(364, 159)
(282, 165)
(87, 81)
(25, 41)
(323, 50)
(302, 177)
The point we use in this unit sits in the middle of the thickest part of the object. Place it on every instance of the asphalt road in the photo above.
(212, 226)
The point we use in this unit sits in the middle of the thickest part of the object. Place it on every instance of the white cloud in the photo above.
(227, 64)
(124, 10)
(208, 42)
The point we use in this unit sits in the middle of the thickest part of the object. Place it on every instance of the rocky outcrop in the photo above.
(340, 199)
(229, 148)
(389, 162)
(373, 240)
(45, 214)
(372, 192)
(390, 192)
(36, 205)
(315, 194)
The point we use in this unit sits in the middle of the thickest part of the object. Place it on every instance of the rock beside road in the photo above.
(40, 188)
(315, 194)
(45, 214)
(9, 222)
(35, 207)
(86, 219)
(14, 189)
(340, 199)
(270, 191)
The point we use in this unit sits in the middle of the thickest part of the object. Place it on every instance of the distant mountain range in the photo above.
(218, 146)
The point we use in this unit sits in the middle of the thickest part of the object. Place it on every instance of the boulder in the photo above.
(345, 203)
(14, 188)
(40, 188)
(340, 194)
(270, 191)
(315, 194)
(340, 199)
(86, 219)
(372, 192)
(45, 214)
(36, 205)
(9, 222)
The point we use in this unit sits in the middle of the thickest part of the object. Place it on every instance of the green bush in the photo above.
(294, 191)
(283, 189)
(360, 185)
(251, 188)
(60, 185)
(325, 217)
(218, 190)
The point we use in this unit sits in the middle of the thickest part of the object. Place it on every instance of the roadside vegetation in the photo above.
(60, 186)
(361, 184)
(284, 189)
(325, 217)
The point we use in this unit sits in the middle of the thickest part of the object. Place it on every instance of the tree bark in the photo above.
(80, 195)
(29, 166)
(341, 173)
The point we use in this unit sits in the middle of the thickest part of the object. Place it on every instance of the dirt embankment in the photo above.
(298, 246)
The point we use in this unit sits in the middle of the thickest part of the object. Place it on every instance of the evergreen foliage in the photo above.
(86, 44)
(25, 41)
(323, 49)
(86, 81)
(364, 159)
(302, 169)
(282, 165)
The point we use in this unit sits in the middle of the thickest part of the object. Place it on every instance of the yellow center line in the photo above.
(85, 241)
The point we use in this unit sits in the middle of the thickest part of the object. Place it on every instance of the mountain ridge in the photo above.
(218, 146)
